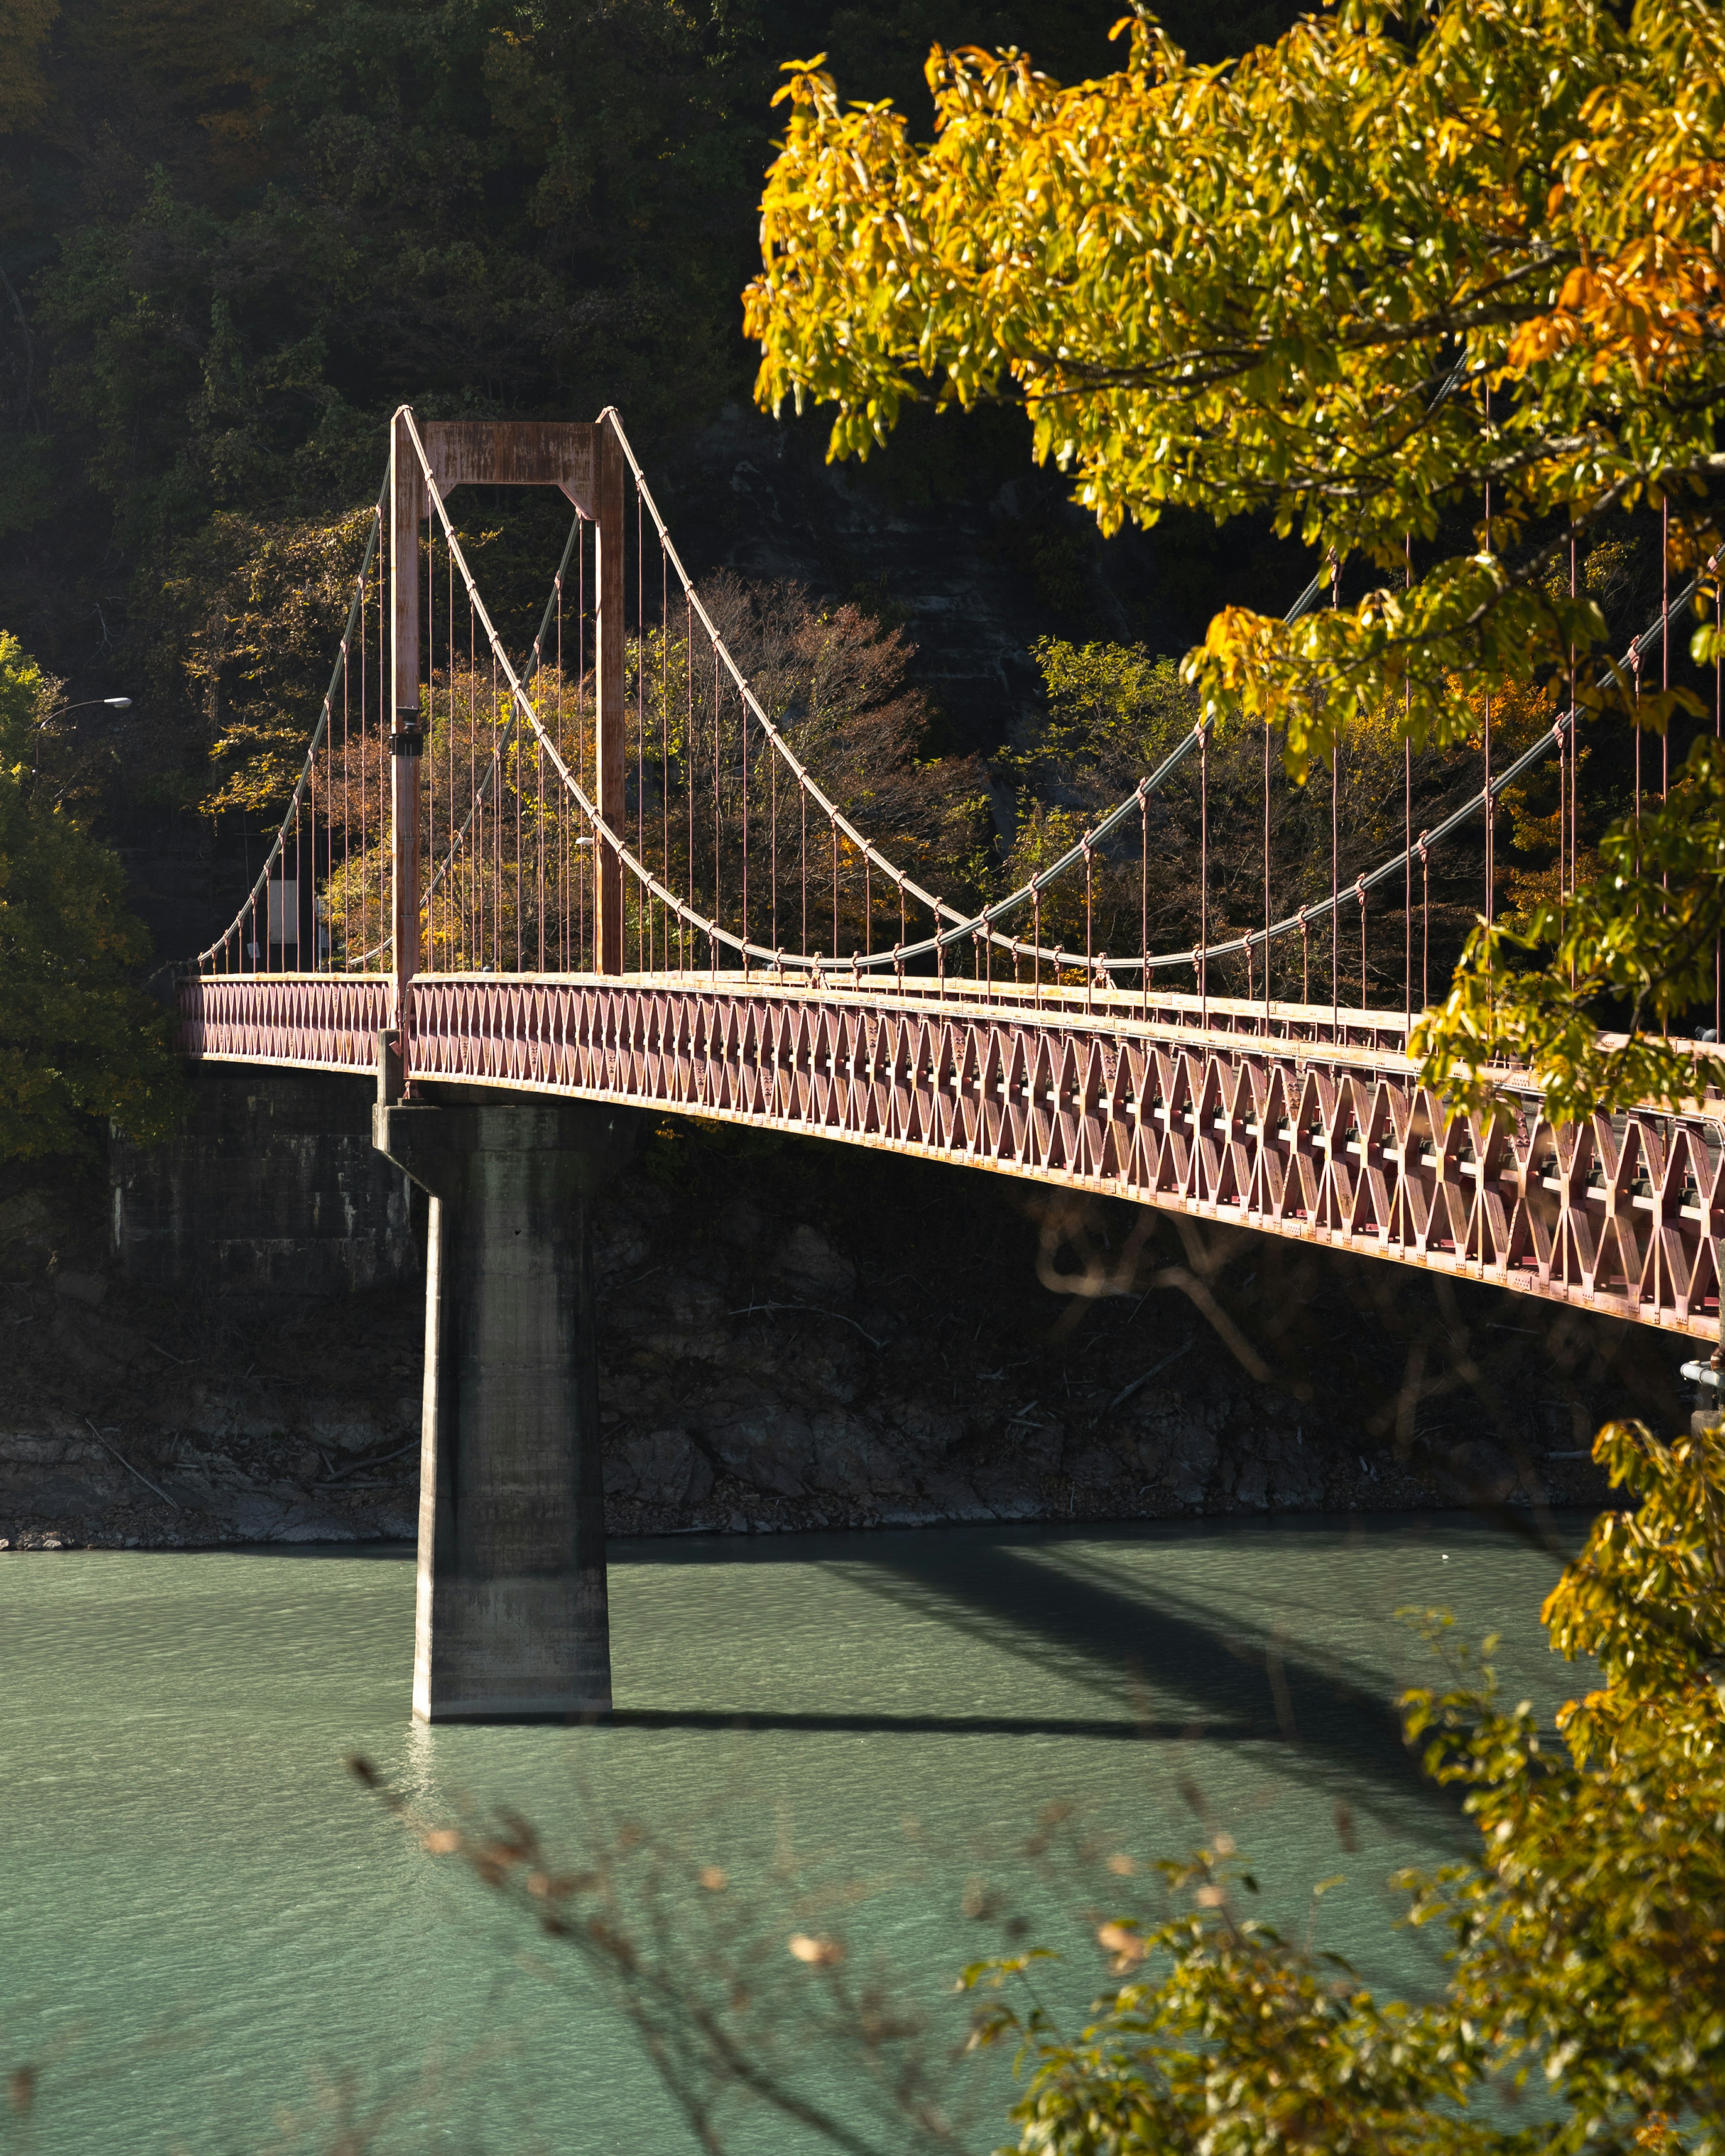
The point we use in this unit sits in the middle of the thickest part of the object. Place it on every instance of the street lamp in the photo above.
(90, 704)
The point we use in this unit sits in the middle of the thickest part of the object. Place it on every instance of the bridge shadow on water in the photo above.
(902, 1725)
(1165, 1664)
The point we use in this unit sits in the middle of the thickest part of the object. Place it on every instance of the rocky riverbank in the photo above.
(800, 1336)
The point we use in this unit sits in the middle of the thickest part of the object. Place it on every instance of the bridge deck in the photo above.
(1293, 1119)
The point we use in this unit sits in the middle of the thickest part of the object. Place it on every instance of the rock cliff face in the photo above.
(768, 1379)
(799, 1335)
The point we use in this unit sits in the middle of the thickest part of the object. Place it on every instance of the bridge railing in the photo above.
(1319, 1129)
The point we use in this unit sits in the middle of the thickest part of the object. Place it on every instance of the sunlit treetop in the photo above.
(1347, 282)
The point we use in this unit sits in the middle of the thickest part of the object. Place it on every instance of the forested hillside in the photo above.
(234, 233)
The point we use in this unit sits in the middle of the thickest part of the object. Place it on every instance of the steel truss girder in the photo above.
(1318, 1133)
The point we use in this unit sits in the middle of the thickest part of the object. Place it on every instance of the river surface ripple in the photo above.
(210, 1930)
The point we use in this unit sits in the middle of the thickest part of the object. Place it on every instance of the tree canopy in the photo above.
(1436, 288)
(77, 1039)
(1352, 280)
(235, 233)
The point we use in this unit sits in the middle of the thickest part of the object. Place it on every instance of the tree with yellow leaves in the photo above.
(1414, 265)
(1411, 263)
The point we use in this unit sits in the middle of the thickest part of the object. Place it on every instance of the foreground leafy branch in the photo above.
(1234, 2041)
(1643, 935)
(1352, 281)
(1593, 1931)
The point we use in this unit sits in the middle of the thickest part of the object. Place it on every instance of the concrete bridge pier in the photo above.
(511, 1620)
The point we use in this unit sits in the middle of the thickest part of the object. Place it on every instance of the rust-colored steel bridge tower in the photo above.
(531, 897)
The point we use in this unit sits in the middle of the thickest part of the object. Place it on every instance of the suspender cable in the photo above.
(1267, 877)
(539, 844)
(514, 752)
(1203, 875)
(1143, 902)
(1334, 833)
(453, 834)
(664, 866)
(497, 846)
(1490, 798)
(475, 852)
(1408, 814)
(743, 733)
(1569, 747)
(1089, 943)
(584, 855)
(311, 766)
(385, 909)
(233, 939)
(1335, 874)
(427, 815)
(1361, 888)
(1665, 657)
(347, 834)
(1665, 638)
(644, 922)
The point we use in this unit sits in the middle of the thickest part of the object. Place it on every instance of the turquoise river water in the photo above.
(213, 1939)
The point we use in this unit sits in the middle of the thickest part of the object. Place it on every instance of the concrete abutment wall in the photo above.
(272, 1189)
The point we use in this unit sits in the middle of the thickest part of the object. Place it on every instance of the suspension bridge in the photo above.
(609, 878)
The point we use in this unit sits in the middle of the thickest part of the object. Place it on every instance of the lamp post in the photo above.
(90, 704)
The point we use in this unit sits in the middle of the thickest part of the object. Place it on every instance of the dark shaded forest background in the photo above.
(235, 233)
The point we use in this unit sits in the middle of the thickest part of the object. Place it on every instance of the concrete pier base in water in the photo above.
(511, 1619)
